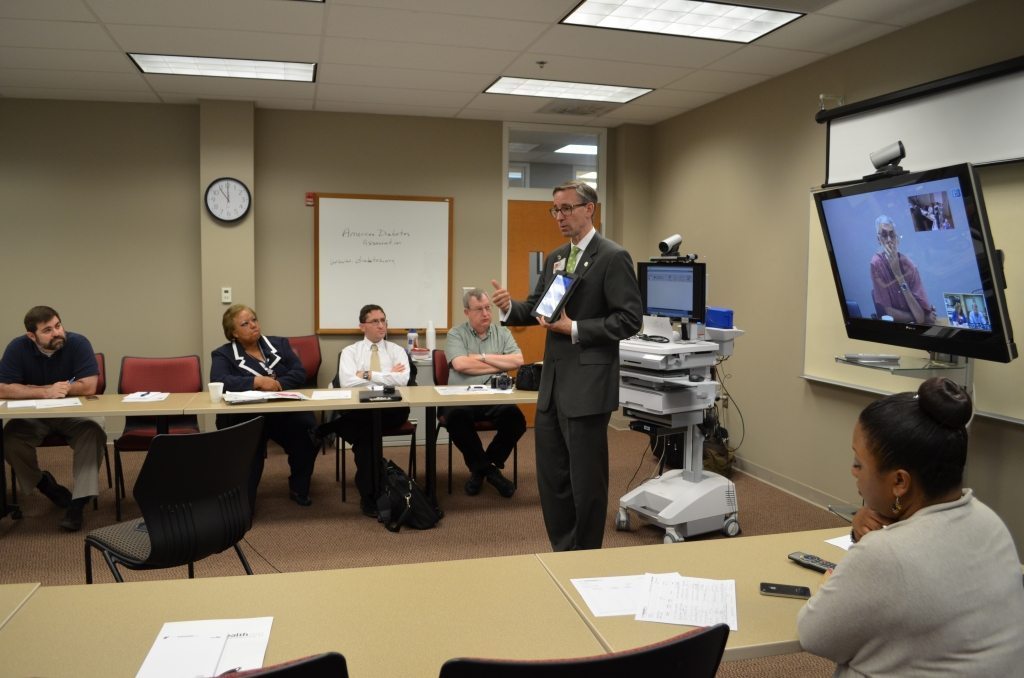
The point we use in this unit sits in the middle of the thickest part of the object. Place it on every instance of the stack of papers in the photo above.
(333, 394)
(668, 598)
(209, 647)
(472, 388)
(144, 397)
(236, 397)
(44, 403)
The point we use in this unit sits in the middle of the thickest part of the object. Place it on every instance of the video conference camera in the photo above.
(887, 161)
(670, 245)
(889, 155)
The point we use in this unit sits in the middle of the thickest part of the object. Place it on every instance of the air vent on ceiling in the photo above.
(577, 107)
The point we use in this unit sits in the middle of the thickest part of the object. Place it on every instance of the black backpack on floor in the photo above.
(403, 503)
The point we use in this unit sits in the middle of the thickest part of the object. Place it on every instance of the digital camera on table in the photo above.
(500, 382)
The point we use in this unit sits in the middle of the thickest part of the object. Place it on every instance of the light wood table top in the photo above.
(427, 396)
(401, 620)
(104, 405)
(12, 597)
(767, 625)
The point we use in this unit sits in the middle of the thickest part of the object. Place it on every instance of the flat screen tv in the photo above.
(672, 289)
(914, 264)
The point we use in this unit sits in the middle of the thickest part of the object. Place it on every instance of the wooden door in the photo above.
(530, 229)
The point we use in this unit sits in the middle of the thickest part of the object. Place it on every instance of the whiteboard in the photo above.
(393, 251)
(974, 117)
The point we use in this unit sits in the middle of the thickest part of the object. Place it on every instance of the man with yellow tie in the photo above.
(372, 360)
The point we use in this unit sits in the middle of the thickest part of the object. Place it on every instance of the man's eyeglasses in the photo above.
(376, 321)
(888, 235)
(479, 309)
(566, 210)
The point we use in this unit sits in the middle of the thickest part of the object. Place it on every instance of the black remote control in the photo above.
(811, 562)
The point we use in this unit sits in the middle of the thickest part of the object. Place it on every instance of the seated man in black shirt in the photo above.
(49, 362)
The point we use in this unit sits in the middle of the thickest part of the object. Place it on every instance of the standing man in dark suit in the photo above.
(579, 386)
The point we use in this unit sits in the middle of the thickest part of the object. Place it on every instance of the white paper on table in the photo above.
(144, 397)
(692, 601)
(16, 404)
(612, 596)
(207, 647)
(333, 394)
(50, 403)
(261, 396)
(470, 389)
(844, 542)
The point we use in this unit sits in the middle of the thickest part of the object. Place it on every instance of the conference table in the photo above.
(12, 597)
(406, 620)
(94, 406)
(429, 397)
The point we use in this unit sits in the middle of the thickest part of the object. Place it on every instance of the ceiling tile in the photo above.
(217, 43)
(548, 11)
(37, 77)
(825, 34)
(385, 95)
(54, 34)
(436, 29)
(402, 78)
(388, 109)
(602, 71)
(76, 94)
(66, 59)
(673, 97)
(60, 10)
(403, 54)
(765, 60)
(891, 12)
(723, 82)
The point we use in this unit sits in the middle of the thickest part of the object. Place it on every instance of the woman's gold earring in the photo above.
(896, 507)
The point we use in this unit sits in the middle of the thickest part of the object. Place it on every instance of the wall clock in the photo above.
(228, 199)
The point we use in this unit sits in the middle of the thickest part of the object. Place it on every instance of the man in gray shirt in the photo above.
(477, 350)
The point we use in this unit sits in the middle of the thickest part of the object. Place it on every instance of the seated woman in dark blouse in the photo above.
(251, 361)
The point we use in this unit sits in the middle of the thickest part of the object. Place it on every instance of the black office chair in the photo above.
(696, 654)
(193, 490)
(326, 665)
(441, 369)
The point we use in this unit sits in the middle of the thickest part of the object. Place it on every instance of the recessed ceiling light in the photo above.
(528, 87)
(710, 20)
(579, 149)
(225, 68)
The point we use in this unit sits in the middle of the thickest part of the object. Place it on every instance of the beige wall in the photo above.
(101, 217)
(735, 175)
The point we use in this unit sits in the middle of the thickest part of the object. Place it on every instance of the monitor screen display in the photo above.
(672, 289)
(914, 264)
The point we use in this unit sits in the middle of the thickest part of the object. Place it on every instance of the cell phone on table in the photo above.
(785, 590)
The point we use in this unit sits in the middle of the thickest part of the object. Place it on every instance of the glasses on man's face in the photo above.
(888, 235)
(564, 210)
(479, 309)
(376, 321)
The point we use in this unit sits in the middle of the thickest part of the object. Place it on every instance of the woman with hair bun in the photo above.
(932, 585)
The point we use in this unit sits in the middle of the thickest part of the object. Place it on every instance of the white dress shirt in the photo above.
(355, 360)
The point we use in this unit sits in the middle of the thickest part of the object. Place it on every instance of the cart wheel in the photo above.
(622, 520)
(672, 538)
(731, 528)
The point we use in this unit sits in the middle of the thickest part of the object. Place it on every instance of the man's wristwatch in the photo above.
(366, 375)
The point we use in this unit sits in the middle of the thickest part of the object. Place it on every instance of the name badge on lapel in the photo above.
(558, 266)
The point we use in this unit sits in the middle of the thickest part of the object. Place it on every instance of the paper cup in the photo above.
(216, 391)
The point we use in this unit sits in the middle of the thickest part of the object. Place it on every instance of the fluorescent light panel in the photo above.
(578, 149)
(710, 20)
(528, 87)
(225, 68)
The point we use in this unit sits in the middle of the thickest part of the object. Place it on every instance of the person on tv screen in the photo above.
(975, 319)
(937, 590)
(959, 318)
(896, 283)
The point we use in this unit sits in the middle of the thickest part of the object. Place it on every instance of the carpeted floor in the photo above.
(332, 534)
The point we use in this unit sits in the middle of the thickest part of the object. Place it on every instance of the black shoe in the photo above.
(473, 485)
(501, 483)
(72, 521)
(300, 499)
(369, 508)
(55, 492)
